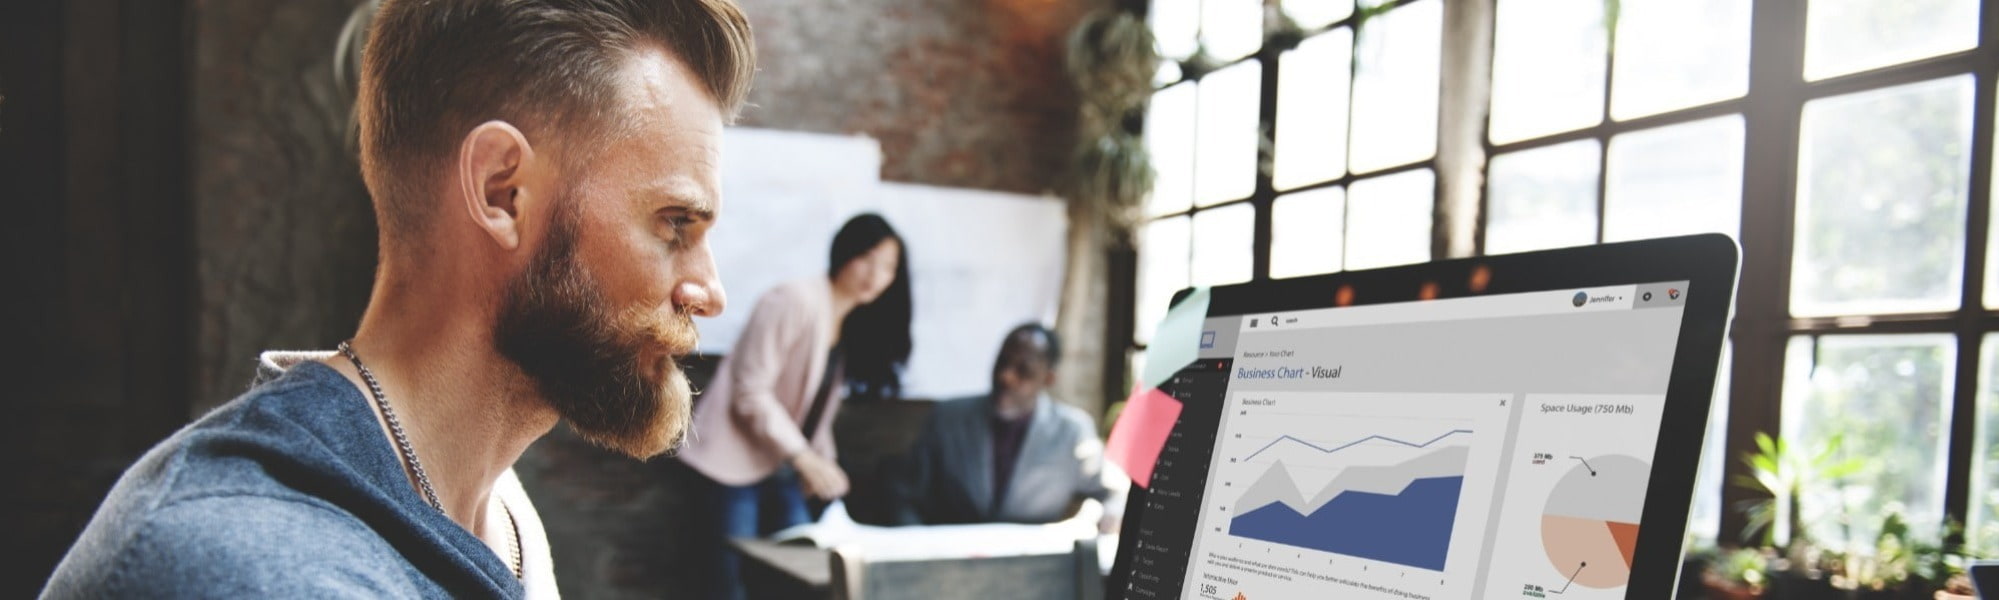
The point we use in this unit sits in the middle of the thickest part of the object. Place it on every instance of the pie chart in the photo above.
(1590, 526)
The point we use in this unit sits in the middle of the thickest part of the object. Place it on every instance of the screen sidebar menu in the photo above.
(1162, 549)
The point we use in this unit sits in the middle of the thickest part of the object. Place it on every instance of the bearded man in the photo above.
(544, 175)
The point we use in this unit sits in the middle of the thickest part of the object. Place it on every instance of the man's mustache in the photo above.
(672, 332)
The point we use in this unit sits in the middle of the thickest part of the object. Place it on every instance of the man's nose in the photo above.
(699, 292)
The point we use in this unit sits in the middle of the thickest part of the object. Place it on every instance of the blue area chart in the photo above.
(1400, 513)
(1412, 528)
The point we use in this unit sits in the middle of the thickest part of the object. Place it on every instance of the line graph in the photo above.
(1355, 479)
(1358, 442)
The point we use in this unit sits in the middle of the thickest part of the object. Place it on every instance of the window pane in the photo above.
(1675, 180)
(1169, 137)
(1883, 177)
(1542, 198)
(1705, 522)
(1313, 14)
(1992, 259)
(1225, 157)
(1306, 229)
(1880, 400)
(1162, 270)
(1844, 36)
(1231, 29)
(1388, 219)
(1982, 532)
(1174, 25)
(1222, 242)
(1312, 87)
(1395, 89)
(1548, 61)
(1679, 53)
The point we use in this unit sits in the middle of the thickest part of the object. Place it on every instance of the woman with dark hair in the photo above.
(762, 432)
(877, 352)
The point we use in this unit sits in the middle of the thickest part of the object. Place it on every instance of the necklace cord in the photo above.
(408, 453)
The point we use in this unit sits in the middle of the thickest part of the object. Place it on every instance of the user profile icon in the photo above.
(1580, 299)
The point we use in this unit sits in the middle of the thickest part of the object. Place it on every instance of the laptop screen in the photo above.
(1483, 447)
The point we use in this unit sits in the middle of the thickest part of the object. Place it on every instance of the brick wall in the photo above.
(964, 93)
(284, 232)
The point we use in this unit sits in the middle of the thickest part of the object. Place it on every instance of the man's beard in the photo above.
(613, 375)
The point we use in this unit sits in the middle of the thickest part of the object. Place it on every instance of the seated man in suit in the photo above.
(1012, 455)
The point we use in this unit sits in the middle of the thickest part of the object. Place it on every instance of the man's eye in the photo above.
(679, 223)
(678, 227)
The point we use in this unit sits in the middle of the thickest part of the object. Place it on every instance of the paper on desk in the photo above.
(926, 542)
(1141, 432)
(833, 524)
(1177, 341)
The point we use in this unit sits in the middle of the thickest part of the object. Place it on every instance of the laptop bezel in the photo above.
(1708, 262)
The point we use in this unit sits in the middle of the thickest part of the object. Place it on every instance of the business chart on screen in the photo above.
(1330, 486)
(1496, 447)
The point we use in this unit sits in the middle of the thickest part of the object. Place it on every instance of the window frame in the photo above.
(1264, 195)
(1764, 325)
(1772, 111)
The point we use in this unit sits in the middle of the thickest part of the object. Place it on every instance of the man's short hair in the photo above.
(1051, 344)
(434, 69)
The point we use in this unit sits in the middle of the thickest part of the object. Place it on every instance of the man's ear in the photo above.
(491, 163)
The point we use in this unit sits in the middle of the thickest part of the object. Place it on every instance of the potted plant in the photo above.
(1900, 562)
(1797, 566)
(1780, 471)
(1740, 574)
(1958, 587)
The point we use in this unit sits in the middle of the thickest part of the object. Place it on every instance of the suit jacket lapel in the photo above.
(978, 435)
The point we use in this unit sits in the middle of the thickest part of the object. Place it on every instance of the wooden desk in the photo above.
(784, 571)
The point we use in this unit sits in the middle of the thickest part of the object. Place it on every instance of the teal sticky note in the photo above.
(1178, 339)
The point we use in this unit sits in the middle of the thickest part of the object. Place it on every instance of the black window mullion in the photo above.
(1949, 322)
(1963, 431)
(1266, 159)
(1973, 320)
(1485, 188)
(1936, 67)
(1610, 129)
(1602, 184)
(1605, 127)
(1769, 184)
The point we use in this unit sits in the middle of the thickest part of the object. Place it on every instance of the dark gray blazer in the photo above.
(948, 476)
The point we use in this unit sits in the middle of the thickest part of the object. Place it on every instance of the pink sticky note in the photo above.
(1141, 432)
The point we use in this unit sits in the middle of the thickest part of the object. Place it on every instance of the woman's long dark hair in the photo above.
(874, 339)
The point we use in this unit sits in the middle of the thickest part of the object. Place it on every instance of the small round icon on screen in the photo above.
(1647, 297)
(1580, 299)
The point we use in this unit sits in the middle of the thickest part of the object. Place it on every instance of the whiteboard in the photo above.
(981, 262)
